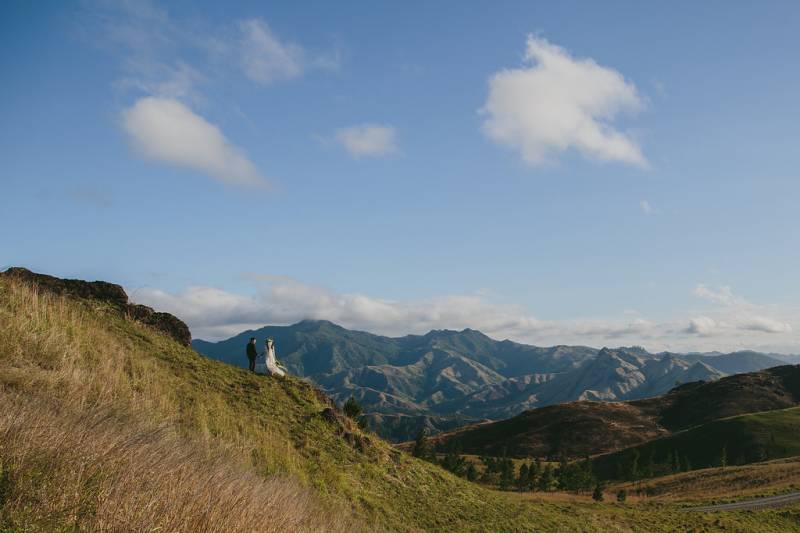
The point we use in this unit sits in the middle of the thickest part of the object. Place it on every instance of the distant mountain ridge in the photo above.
(446, 378)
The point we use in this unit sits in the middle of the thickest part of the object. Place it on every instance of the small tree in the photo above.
(453, 462)
(352, 409)
(522, 478)
(546, 479)
(472, 472)
(533, 475)
(421, 448)
(622, 495)
(634, 467)
(597, 495)
(506, 473)
(723, 456)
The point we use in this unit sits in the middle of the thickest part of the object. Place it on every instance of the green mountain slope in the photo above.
(109, 424)
(737, 440)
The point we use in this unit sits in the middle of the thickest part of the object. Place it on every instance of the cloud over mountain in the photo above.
(213, 313)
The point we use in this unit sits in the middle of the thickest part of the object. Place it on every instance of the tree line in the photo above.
(534, 475)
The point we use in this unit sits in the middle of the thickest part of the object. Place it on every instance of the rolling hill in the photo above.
(445, 379)
(577, 429)
(737, 440)
(109, 423)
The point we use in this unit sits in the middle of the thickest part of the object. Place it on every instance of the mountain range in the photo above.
(446, 379)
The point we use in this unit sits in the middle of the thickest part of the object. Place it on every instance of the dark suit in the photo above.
(251, 355)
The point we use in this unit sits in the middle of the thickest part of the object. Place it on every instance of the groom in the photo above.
(252, 353)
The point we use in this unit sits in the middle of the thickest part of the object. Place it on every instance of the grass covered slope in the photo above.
(731, 483)
(576, 429)
(108, 425)
(736, 440)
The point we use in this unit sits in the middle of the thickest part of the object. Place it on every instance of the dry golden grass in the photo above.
(83, 445)
(102, 472)
(107, 426)
(732, 482)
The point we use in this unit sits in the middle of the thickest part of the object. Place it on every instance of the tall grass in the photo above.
(106, 425)
(100, 471)
(91, 437)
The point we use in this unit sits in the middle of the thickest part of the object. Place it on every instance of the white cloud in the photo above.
(723, 295)
(560, 102)
(765, 325)
(213, 314)
(265, 59)
(737, 315)
(646, 208)
(368, 140)
(702, 325)
(166, 130)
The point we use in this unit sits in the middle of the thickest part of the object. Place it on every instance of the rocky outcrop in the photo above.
(109, 293)
(164, 322)
(94, 290)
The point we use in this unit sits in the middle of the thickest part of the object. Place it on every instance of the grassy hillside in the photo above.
(736, 440)
(110, 425)
(721, 484)
(577, 429)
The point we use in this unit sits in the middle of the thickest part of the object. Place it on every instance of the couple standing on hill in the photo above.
(268, 363)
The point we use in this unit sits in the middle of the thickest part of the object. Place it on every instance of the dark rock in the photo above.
(95, 290)
(164, 322)
(109, 293)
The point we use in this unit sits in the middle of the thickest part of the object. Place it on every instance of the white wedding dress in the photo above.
(271, 363)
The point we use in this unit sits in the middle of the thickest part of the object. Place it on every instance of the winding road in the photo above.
(750, 505)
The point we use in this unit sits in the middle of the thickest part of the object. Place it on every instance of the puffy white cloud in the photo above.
(165, 129)
(559, 102)
(368, 140)
(646, 208)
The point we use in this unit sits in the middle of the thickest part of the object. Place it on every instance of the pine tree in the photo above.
(351, 408)
(533, 475)
(546, 479)
(472, 472)
(597, 495)
(454, 462)
(522, 478)
(506, 473)
(634, 468)
(421, 449)
(723, 457)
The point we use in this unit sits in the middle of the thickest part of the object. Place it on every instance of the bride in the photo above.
(270, 364)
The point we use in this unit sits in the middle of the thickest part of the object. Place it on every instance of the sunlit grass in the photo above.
(107, 424)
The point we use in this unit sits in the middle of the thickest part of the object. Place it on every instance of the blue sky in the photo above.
(548, 172)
